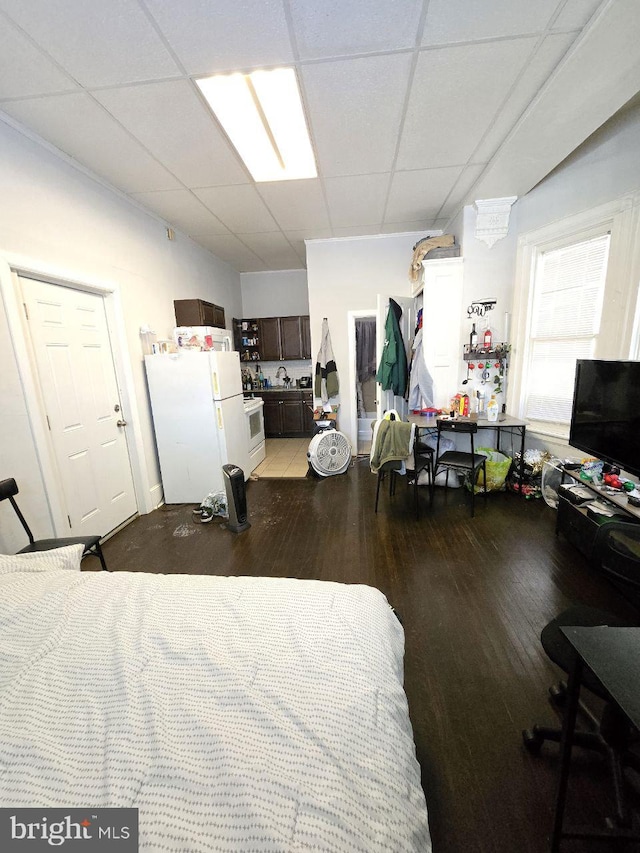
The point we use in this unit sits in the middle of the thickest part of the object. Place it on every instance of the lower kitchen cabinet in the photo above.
(287, 414)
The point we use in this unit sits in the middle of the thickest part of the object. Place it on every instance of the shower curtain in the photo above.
(365, 363)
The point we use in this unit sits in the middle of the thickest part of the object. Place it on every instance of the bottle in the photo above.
(473, 338)
(492, 409)
(487, 339)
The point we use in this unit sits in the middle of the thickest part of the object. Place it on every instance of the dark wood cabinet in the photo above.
(287, 414)
(308, 424)
(292, 420)
(273, 338)
(272, 417)
(291, 337)
(269, 331)
(305, 331)
(197, 312)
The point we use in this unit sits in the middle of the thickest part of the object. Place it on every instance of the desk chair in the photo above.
(8, 491)
(423, 456)
(611, 735)
(468, 463)
(616, 553)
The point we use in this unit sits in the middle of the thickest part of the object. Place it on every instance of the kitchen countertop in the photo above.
(279, 388)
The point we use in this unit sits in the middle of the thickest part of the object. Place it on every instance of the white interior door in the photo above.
(386, 399)
(77, 379)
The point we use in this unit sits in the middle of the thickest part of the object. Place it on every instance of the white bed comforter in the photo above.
(234, 713)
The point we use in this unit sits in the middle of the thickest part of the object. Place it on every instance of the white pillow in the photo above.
(66, 558)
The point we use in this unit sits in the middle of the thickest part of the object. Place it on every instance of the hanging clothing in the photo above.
(326, 374)
(391, 444)
(392, 370)
(420, 380)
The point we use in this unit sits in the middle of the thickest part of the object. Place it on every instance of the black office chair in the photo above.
(467, 463)
(616, 553)
(611, 735)
(8, 491)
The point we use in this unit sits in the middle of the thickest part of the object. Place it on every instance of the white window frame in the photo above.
(619, 336)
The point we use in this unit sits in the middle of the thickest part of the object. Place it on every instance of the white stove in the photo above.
(253, 407)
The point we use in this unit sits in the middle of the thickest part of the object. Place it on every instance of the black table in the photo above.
(613, 655)
(505, 423)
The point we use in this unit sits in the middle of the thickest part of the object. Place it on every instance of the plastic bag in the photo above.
(498, 466)
(215, 503)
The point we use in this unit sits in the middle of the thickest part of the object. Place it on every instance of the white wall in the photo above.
(347, 275)
(282, 293)
(60, 218)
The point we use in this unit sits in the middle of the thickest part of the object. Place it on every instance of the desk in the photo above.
(505, 423)
(613, 655)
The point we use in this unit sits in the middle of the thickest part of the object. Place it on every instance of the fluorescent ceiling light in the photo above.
(263, 117)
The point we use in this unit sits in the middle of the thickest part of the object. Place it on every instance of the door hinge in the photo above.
(48, 422)
(69, 519)
(26, 310)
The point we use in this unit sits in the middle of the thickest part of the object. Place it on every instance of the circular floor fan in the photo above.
(329, 453)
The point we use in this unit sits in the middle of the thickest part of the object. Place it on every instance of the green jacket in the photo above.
(392, 442)
(392, 370)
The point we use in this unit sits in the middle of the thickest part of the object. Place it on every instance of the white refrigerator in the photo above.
(199, 421)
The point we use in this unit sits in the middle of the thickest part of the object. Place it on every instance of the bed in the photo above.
(235, 713)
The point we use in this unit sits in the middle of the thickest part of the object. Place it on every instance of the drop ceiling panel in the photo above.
(419, 226)
(80, 127)
(450, 21)
(576, 13)
(225, 36)
(274, 249)
(601, 73)
(545, 59)
(419, 195)
(336, 28)
(99, 44)
(25, 70)
(229, 248)
(356, 200)
(455, 97)
(296, 204)
(355, 107)
(240, 208)
(461, 188)
(173, 123)
(357, 231)
(297, 238)
(183, 210)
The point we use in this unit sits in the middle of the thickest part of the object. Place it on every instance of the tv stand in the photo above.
(578, 525)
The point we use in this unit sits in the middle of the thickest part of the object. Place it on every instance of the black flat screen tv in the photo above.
(605, 420)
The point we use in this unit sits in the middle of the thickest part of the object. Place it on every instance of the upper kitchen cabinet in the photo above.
(197, 312)
(284, 338)
(291, 337)
(305, 328)
(270, 344)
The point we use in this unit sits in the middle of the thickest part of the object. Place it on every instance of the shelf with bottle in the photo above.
(497, 351)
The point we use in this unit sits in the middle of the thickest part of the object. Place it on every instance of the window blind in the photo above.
(565, 322)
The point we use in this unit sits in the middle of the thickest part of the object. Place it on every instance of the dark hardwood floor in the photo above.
(473, 595)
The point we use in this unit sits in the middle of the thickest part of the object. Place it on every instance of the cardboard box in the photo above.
(325, 416)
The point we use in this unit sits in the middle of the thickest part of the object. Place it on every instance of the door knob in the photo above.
(121, 423)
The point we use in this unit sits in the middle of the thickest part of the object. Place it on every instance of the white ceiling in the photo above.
(414, 106)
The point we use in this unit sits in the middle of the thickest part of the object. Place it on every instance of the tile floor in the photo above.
(286, 458)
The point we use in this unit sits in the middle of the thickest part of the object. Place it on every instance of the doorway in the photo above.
(81, 403)
(365, 375)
